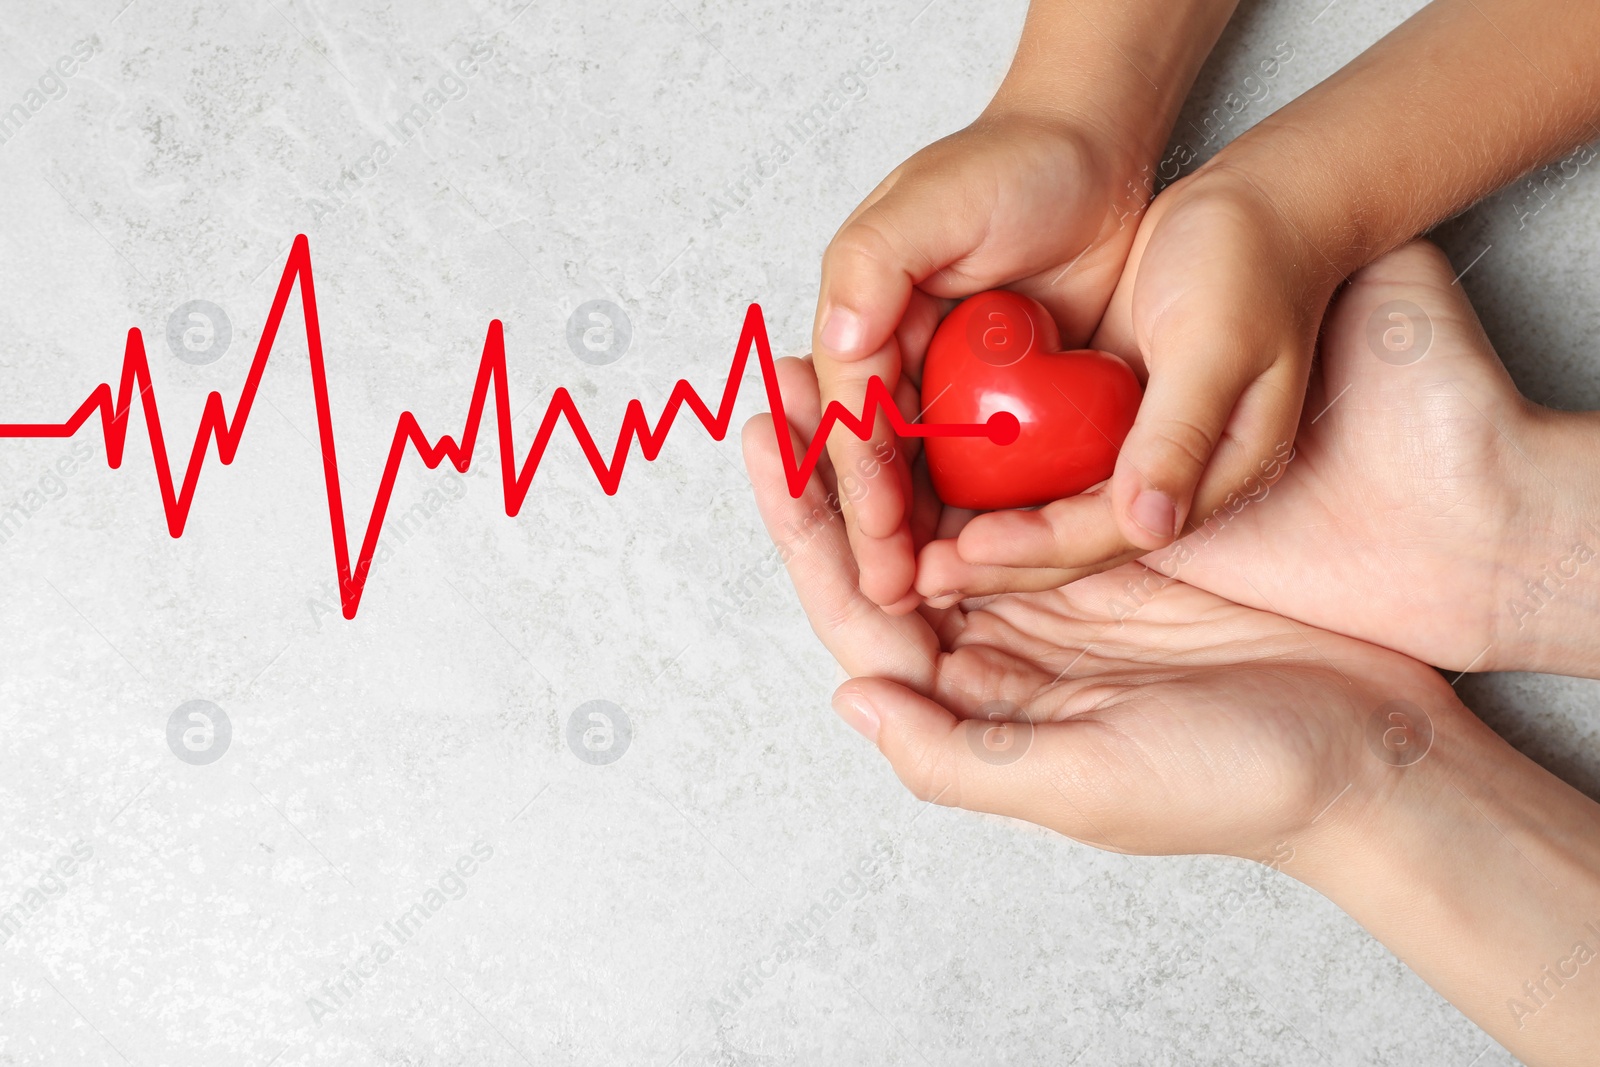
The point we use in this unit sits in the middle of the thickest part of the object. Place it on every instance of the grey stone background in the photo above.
(597, 154)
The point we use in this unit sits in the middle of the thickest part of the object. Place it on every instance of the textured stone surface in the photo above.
(588, 157)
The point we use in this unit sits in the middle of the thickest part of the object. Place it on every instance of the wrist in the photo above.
(1291, 169)
(1334, 236)
(1547, 611)
(1479, 870)
(1400, 795)
(1121, 69)
(1290, 261)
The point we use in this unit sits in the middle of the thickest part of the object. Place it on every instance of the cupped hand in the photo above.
(1217, 308)
(1035, 202)
(1419, 498)
(1180, 723)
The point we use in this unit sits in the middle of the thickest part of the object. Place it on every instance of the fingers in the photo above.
(872, 322)
(1026, 551)
(922, 317)
(1017, 769)
(875, 470)
(1259, 441)
(1197, 376)
(868, 275)
(1074, 532)
(802, 403)
(887, 564)
(946, 578)
(1220, 301)
(888, 567)
(878, 256)
(811, 542)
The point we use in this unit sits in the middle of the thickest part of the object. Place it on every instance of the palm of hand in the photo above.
(1182, 723)
(1153, 716)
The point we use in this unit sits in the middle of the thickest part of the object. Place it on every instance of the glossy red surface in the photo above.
(998, 352)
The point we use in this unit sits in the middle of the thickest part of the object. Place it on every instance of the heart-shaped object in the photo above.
(997, 353)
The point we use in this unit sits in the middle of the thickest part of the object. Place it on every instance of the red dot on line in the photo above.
(1003, 428)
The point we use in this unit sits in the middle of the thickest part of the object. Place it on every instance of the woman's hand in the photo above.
(1139, 714)
(1127, 710)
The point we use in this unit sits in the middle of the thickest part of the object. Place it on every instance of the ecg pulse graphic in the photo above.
(216, 425)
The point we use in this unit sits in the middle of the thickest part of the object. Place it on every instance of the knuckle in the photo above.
(858, 241)
(932, 776)
(843, 615)
(1179, 446)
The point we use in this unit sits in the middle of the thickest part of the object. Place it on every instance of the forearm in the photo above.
(1481, 871)
(1119, 64)
(1455, 103)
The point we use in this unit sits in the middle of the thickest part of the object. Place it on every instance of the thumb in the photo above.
(1187, 405)
(1010, 767)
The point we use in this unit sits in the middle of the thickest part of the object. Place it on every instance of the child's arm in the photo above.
(1042, 194)
(1455, 103)
(1233, 267)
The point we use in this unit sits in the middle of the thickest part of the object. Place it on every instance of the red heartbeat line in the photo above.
(215, 424)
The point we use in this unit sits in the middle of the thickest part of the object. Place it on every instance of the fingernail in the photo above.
(842, 330)
(1155, 511)
(854, 709)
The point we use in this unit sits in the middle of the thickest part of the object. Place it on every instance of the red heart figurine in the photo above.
(997, 353)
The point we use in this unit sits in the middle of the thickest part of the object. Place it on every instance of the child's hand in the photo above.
(1042, 195)
(1036, 203)
(1218, 308)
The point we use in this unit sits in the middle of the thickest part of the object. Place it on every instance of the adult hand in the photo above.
(1197, 725)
